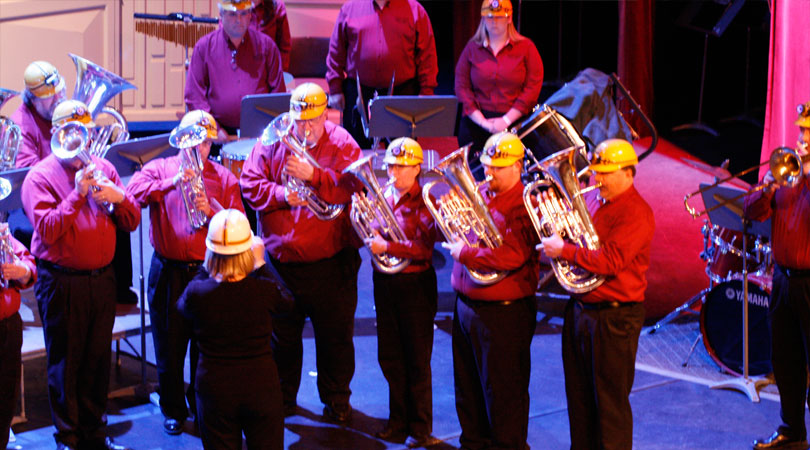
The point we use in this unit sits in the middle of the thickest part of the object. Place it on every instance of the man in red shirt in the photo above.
(789, 210)
(234, 61)
(493, 324)
(378, 39)
(74, 241)
(270, 16)
(179, 251)
(601, 328)
(313, 256)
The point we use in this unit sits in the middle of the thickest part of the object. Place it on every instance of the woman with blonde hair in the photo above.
(229, 310)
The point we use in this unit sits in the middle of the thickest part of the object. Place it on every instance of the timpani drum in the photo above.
(234, 155)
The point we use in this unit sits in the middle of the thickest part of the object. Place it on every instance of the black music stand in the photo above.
(258, 110)
(15, 178)
(129, 157)
(413, 116)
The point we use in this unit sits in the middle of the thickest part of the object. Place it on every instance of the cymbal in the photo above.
(734, 205)
(717, 171)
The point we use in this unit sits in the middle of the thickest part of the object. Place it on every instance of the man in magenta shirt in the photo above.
(397, 40)
(234, 61)
(74, 241)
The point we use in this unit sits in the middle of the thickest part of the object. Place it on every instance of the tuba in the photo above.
(95, 86)
(366, 209)
(561, 209)
(10, 135)
(186, 140)
(462, 213)
(280, 129)
(68, 143)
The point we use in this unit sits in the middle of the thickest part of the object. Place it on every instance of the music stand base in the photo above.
(748, 386)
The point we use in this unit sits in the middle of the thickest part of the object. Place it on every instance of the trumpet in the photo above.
(280, 129)
(186, 140)
(70, 142)
(785, 165)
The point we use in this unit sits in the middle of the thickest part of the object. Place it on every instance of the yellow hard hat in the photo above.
(502, 149)
(43, 80)
(804, 115)
(496, 8)
(71, 111)
(404, 152)
(308, 101)
(612, 155)
(229, 233)
(235, 5)
(203, 119)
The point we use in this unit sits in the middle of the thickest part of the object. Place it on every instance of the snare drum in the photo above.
(546, 132)
(721, 327)
(234, 155)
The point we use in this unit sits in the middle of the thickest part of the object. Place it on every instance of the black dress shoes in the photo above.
(172, 426)
(108, 442)
(779, 441)
(340, 414)
(392, 434)
(421, 441)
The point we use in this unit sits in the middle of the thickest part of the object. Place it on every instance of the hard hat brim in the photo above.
(307, 114)
(232, 249)
(498, 162)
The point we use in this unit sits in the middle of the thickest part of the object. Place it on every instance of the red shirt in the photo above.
(270, 17)
(789, 210)
(71, 230)
(171, 234)
(625, 226)
(512, 79)
(35, 144)
(516, 254)
(296, 234)
(418, 227)
(377, 43)
(10, 296)
(217, 85)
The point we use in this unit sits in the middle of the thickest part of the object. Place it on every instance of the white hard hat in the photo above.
(229, 233)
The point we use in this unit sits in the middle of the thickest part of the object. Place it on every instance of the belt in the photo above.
(795, 273)
(177, 264)
(605, 305)
(68, 271)
(477, 303)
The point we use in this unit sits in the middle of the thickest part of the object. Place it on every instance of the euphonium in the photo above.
(561, 209)
(462, 214)
(187, 140)
(68, 143)
(280, 129)
(6, 251)
(373, 208)
(10, 135)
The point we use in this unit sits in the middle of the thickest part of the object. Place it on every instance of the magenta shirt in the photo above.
(35, 144)
(419, 229)
(296, 234)
(516, 255)
(270, 17)
(216, 85)
(171, 234)
(498, 83)
(377, 42)
(10, 296)
(71, 230)
(789, 210)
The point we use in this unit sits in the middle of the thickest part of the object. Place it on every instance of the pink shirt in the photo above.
(270, 17)
(418, 227)
(296, 234)
(217, 81)
(497, 83)
(378, 42)
(171, 234)
(10, 296)
(35, 144)
(516, 255)
(69, 229)
(789, 210)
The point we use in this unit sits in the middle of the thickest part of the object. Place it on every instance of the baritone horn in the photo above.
(561, 209)
(69, 143)
(462, 213)
(187, 141)
(280, 129)
(785, 165)
(373, 208)
(10, 134)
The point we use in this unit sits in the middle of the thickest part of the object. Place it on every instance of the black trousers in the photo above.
(122, 261)
(78, 313)
(491, 370)
(10, 345)
(326, 292)
(351, 116)
(171, 335)
(599, 355)
(406, 305)
(789, 313)
(236, 396)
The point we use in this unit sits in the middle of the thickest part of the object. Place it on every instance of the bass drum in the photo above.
(721, 327)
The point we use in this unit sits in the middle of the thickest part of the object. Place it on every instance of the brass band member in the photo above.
(179, 252)
(493, 325)
(405, 302)
(601, 328)
(314, 257)
(44, 89)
